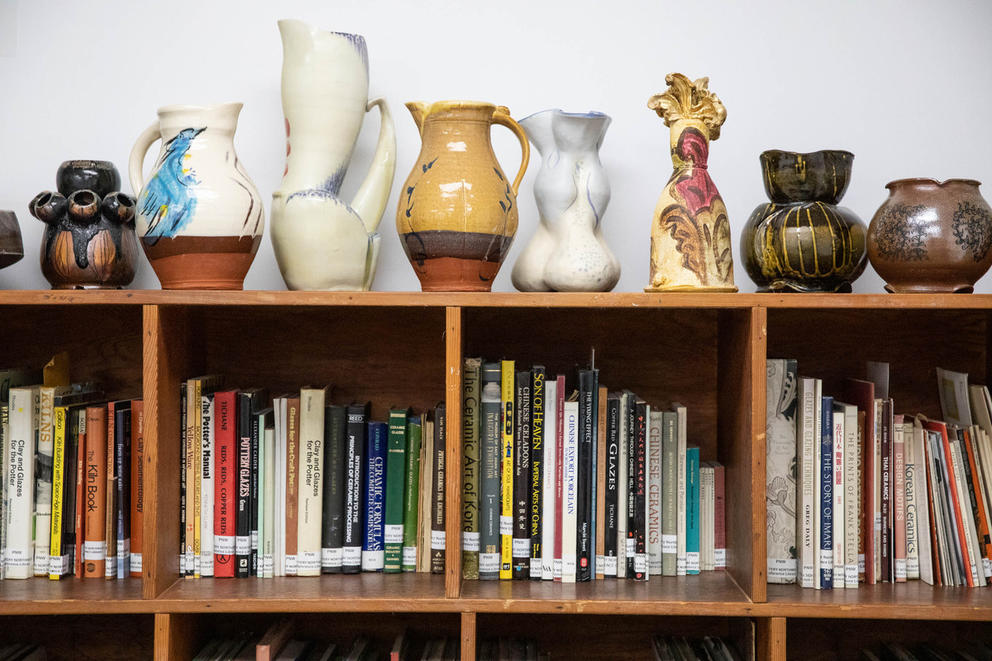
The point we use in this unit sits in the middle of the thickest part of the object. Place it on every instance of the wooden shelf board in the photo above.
(911, 600)
(40, 596)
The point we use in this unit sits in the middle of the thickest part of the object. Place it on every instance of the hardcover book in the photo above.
(248, 403)
(862, 394)
(557, 566)
(692, 517)
(898, 500)
(655, 492)
(549, 491)
(374, 500)
(207, 478)
(838, 487)
(640, 427)
(507, 397)
(395, 474)
(521, 478)
(537, 459)
(611, 508)
(719, 517)
(807, 522)
(225, 484)
(137, 485)
(414, 436)
(354, 488)
(490, 496)
(780, 468)
(332, 535)
(570, 467)
(471, 468)
(587, 393)
(122, 478)
(599, 473)
(438, 478)
(680, 502)
(311, 481)
(825, 478)
(669, 518)
(94, 523)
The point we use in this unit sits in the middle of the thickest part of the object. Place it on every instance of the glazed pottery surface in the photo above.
(457, 212)
(199, 217)
(11, 247)
(690, 234)
(321, 241)
(568, 251)
(802, 241)
(931, 236)
(89, 240)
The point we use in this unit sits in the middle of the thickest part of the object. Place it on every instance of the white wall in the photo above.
(905, 85)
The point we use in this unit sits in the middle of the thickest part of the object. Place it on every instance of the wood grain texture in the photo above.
(468, 637)
(770, 639)
(72, 595)
(910, 600)
(453, 450)
(178, 636)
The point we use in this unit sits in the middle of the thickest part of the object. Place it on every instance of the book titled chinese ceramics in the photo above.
(802, 240)
(690, 234)
(568, 251)
(89, 241)
(931, 236)
(322, 241)
(457, 212)
(199, 217)
(11, 246)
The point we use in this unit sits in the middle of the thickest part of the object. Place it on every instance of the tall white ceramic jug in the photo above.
(321, 241)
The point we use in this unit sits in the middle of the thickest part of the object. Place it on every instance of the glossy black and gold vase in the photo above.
(802, 240)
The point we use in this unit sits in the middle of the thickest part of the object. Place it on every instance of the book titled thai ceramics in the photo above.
(568, 251)
(320, 240)
(690, 234)
(89, 240)
(802, 240)
(931, 236)
(11, 246)
(199, 217)
(457, 211)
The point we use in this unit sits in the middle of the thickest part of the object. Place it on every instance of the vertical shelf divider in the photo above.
(770, 636)
(453, 488)
(176, 636)
(468, 635)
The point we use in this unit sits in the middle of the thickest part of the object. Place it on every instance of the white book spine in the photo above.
(807, 483)
(839, 536)
(549, 494)
(852, 490)
(680, 558)
(268, 503)
(706, 531)
(263, 459)
(923, 511)
(654, 493)
(311, 482)
(19, 559)
(817, 482)
(981, 464)
(569, 507)
(207, 461)
(279, 528)
(43, 481)
(622, 491)
(4, 469)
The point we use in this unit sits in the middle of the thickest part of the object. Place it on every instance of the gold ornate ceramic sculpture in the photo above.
(690, 235)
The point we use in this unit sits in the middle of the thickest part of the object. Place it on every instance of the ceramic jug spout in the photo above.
(419, 111)
(295, 34)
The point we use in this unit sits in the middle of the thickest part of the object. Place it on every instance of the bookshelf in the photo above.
(707, 350)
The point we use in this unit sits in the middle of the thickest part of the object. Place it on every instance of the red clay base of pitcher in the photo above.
(202, 262)
(454, 274)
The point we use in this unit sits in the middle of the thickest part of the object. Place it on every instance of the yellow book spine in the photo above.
(506, 473)
(58, 475)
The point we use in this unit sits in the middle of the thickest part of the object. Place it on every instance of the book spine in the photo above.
(60, 413)
(852, 495)
(332, 536)
(877, 491)
(291, 512)
(655, 423)
(641, 491)
(557, 565)
(960, 496)
(692, 518)
(912, 505)
(863, 500)
(669, 463)
(680, 502)
(267, 531)
(537, 461)
(4, 470)
(979, 503)
(225, 484)
(583, 551)
(826, 478)
(549, 493)
(780, 460)
(414, 432)
(94, 529)
(611, 509)
(137, 485)
(507, 396)
(207, 477)
(395, 474)
(193, 393)
(184, 459)
(630, 544)
(899, 501)
(242, 512)
(807, 480)
(257, 430)
(622, 491)
(599, 474)
(491, 436)
(885, 540)
(280, 406)
(43, 482)
(521, 478)
(70, 500)
(110, 521)
(122, 501)
(471, 467)
(971, 505)
(354, 488)
(719, 517)
(593, 481)
(439, 476)
(311, 481)
(425, 495)
(570, 469)
(838, 496)
(80, 508)
(374, 500)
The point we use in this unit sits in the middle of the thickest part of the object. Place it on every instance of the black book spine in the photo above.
(256, 439)
(353, 533)
(242, 524)
(440, 474)
(631, 542)
(583, 533)
(537, 443)
(69, 485)
(122, 501)
(640, 494)
(886, 504)
(184, 570)
(521, 479)
(612, 510)
(332, 533)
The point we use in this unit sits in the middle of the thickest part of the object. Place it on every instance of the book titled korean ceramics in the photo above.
(322, 241)
(457, 211)
(199, 217)
(690, 233)
(568, 251)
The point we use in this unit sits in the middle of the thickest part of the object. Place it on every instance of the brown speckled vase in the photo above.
(931, 236)
(11, 247)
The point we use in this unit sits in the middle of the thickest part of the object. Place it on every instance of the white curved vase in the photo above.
(321, 241)
(568, 252)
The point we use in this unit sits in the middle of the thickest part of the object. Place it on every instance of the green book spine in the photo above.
(410, 500)
(396, 465)
(669, 505)
(470, 468)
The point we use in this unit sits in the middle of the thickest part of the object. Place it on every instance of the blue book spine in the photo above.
(374, 502)
(692, 510)
(826, 493)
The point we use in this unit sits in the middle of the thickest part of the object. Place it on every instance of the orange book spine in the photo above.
(955, 504)
(292, 482)
(77, 556)
(95, 523)
(137, 484)
(984, 539)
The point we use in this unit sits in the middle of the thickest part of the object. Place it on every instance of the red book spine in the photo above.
(225, 481)
(719, 518)
(952, 480)
(560, 473)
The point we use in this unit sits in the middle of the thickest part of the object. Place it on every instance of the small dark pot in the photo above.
(803, 241)
(931, 236)
(11, 247)
(101, 177)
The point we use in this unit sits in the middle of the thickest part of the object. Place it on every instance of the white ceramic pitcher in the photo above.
(321, 241)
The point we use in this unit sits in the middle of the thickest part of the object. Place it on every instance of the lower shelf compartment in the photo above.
(105, 637)
(815, 639)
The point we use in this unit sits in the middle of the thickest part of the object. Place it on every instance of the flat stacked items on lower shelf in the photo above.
(927, 651)
(72, 500)
(575, 485)
(23, 652)
(680, 648)
(860, 494)
(295, 485)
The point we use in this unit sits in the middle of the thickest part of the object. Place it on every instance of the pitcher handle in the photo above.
(370, 200)
(502, 117)
(137, 159)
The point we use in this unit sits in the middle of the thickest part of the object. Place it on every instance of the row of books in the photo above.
(298, 486)
(859, 493)
(574, 485)
(681, 648)
(72, 497)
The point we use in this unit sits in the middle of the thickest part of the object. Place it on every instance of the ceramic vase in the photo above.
(568, 251)
(89, 240)
(457, 212)
(199, 217)
(320, 240)
(801, 240)
(11, 246)
(690, 234)
(931, 236)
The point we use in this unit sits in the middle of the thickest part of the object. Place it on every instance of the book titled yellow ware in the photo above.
(506, 474)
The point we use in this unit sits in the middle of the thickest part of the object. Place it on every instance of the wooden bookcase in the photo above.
(397, 348)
